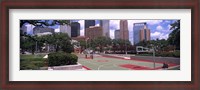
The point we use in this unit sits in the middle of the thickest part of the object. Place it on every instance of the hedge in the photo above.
(168, 54)
(31, 63)
(61, 58)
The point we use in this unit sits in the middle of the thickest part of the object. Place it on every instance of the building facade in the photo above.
(140, 32)
(89, 23)
(94, 32)
(124, 33)
(105, 27)
(145, 35)
(40, 30)
(75, 29)
(117, 34)
(65, 29)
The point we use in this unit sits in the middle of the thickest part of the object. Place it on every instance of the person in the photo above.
(165, 66)
(86, 56)
(91, 55)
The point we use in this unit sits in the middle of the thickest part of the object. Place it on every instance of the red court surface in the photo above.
(136, 67)
(86, 68)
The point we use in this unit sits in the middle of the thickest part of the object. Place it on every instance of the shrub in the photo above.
(31, 63)
(176, 54)
(61, 58)
(168, 54)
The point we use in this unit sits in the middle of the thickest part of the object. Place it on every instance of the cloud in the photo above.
(82, 32)
(81, 24)
(154, 22)
(82, 27)
(159, 28)
(114, 24)
(167, 21)
(112, 34)
(97, 25)
(159, 35)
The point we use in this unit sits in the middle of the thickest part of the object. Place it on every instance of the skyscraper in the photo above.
(117, 34)
(124, 33)
(65, 29)
(75, 29)
(40, 30)
(89, 23)
(141, 32)
(105, 26)
(94, 32)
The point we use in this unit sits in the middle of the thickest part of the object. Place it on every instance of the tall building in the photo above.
(144, 34)
(75, 29)
(141, 32)
(94, 32)
(89, 23)
(65, 29)
(117, 34)
(124, 33)
(105, 26)
(42, 30)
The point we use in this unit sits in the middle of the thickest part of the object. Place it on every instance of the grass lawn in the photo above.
(32, 62)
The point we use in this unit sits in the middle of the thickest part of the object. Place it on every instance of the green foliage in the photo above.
(44, 22)
(31, 63)
(27, 43)
(61, 58)
(168, 54)
(60, 41)
(174, 36)
(99, 43)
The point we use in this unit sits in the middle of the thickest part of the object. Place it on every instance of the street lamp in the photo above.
(154, 65)
(126, 47)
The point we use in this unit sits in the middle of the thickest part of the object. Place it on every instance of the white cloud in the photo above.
(97, 25)
(114, 24)
(159, 35)
(82, 32)
(159, 28)
(112, 34)
(81, 24)
(155, 34)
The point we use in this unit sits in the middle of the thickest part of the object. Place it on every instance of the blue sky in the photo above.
(159, 28)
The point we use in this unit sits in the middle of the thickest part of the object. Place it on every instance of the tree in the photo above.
(60, 41)
(101, 42)
(27, 43)
(174, 36)
(43, 23)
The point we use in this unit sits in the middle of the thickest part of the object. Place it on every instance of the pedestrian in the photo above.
(165, 66)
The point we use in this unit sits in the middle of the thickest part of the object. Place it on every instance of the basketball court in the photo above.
(105, 62)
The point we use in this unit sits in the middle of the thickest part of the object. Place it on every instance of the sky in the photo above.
(159, 28)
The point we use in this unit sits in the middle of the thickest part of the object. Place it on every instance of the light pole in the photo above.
(154, 58)
(154, 65)
(126, 47)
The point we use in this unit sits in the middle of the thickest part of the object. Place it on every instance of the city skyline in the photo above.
(159, 28)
